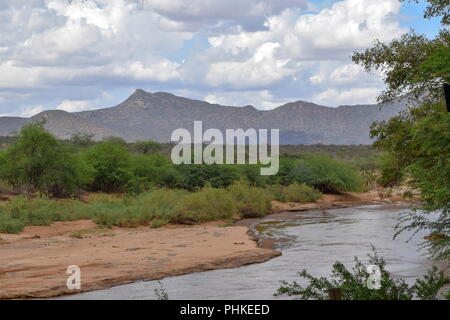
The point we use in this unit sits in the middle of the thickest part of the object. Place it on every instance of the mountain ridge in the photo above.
(153, 116)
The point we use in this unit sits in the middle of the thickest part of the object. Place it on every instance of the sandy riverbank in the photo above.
(34, 263)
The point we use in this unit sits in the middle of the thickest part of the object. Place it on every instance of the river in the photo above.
(316, 240)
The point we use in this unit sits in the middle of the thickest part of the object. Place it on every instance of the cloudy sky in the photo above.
(57, 54)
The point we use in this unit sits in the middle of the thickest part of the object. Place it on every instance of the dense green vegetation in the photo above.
(154, 208)
(37, 162)
(151, 189)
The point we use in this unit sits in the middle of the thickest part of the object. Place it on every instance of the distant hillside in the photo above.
(153, 116)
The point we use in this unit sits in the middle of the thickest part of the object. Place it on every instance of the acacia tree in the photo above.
(417, 139)
(37, 161)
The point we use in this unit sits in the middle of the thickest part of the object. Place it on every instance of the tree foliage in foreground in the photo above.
(436, 8)
(354, 284)
(412, 65)
(430, 173)
(417, 139)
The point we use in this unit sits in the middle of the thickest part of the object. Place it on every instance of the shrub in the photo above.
(198, 176)
(161, 204)
(277, 192)
(8, 225)
(117, 214)
(284, 175)
(111, 166)
(102, 197)
(155, 208)
(252, 202)
(293, 193)
(301, 193)
(354, 284)
(205, 205)
(252, 174)
(19, 212)
(326, 174)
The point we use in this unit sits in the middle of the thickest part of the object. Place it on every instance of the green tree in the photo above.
(437, 8)
(430, 173)
(112, 166)
(415, 67)
(152, 170)
(37, 161)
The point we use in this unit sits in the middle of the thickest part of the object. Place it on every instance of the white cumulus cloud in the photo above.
(262, 52)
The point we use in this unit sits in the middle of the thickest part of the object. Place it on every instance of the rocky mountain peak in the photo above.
(139, 94)
(154, 116)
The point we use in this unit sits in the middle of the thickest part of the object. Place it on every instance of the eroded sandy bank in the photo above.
(36, 267)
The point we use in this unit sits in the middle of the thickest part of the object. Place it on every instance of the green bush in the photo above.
(205, 205)
(326, 174)
(252, 174)
(301, 193)
(149, 208)
(276, 192)
(353, 284)
(284, 175)
(8, 225)
(293, 193)
(193, 177)
(252, 202)
(40, 211)
(111, 165)
(159, 207)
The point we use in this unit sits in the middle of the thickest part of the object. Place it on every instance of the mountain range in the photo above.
(153, 116)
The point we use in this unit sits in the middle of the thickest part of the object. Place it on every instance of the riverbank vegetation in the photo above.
(155, 208)
(120, 184)
(37, 162)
